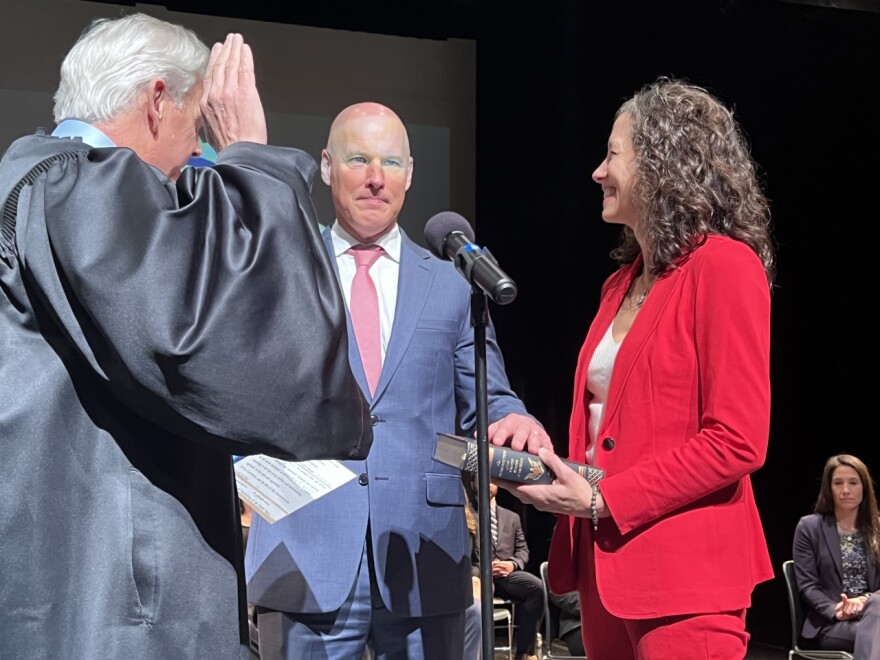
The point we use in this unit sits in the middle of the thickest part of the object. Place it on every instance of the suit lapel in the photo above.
(413, 285)
(642, 328)
(604, 316)
(832, 540)
(506, 540)
(873, 576)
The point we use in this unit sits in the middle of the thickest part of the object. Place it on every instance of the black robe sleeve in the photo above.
(209, 307)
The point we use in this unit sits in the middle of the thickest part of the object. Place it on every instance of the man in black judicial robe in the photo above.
(152, 324)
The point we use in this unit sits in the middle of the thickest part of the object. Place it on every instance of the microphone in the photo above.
(450, 236)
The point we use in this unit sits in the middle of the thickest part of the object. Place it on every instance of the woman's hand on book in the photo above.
(568, 494)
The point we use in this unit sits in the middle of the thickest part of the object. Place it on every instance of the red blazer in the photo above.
(686, 421)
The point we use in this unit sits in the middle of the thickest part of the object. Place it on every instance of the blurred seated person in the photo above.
(473, 615)
(836, 554)
(569, 628)
(511, 581)
(246, 512)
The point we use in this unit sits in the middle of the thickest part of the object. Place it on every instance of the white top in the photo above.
(385, 272)
(598, 379)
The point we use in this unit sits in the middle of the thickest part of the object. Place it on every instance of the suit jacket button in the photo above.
(374, 420)
(608, 444)
(363, 479)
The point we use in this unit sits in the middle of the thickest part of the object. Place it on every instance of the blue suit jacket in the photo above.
(818, 570)
(308, 561)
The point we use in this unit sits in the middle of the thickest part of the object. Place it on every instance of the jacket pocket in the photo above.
(444, 489)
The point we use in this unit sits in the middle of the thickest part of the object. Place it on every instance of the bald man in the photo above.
(385, 557)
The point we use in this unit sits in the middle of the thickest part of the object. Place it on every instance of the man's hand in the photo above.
(231, 106)
(502, 568)
(519, 432)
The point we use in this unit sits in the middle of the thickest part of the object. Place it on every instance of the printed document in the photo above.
(275, 488)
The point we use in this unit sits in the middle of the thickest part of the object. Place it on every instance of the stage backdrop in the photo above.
(305, 75)
(507, 128)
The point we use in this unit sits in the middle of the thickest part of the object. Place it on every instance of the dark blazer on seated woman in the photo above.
(818, 569)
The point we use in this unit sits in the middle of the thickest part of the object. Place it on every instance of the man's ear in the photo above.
(409, 172)
(325, 166)
(157, 100)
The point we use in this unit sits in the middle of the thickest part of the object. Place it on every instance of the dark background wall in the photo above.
(803, 79)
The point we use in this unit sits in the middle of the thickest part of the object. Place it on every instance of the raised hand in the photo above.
(231, 106)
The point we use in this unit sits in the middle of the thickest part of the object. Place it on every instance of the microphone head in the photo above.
(440, 226)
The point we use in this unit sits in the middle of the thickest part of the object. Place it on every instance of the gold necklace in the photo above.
(639, 299)
(847, 530)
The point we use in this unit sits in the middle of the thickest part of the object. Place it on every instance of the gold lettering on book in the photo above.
(519, 466)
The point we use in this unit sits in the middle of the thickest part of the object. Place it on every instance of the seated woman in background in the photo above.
(836, 556)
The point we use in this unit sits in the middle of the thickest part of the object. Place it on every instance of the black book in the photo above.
(504, 462)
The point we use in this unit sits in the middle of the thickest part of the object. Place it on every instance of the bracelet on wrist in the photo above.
(594, 511)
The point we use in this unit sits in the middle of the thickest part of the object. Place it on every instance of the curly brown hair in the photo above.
(867, 518)
(695, 177)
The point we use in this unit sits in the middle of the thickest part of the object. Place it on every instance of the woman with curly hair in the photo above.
(672, 392)
(836, 554)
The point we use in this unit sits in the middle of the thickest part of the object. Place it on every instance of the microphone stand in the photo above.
(480, 321)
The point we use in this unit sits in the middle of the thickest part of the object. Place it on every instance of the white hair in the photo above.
(114, 59)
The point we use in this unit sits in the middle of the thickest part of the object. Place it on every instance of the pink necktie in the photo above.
(365, 312)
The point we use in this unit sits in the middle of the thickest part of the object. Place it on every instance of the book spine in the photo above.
(580, 468)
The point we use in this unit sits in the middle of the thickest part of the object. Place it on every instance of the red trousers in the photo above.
(713, 636)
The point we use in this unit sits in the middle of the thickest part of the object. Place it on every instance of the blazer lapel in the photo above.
(873, 576)
(413, 285)
(608, 306)
(642, 328)
(832, 540)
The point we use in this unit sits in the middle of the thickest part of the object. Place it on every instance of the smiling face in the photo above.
(617, 175)
(846, 488)
(368, 168)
